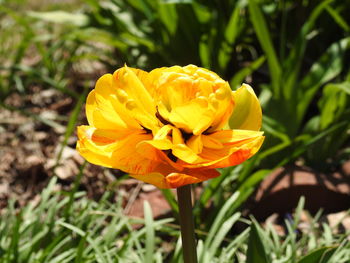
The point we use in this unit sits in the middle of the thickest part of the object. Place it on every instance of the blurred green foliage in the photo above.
(295, 54)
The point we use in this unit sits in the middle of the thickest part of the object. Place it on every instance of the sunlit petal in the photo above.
(247, 113)
(137, 101)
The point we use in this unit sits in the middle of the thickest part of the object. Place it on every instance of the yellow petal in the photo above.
(195, 143)
(177, 136)
(247, 111)
(102, 109)
(147, 148)
(163, 132)
(134, 96)
(221, 102)
(192, 98)
(102, 116)
(234, 137)
(161, 140)
(186, 154)
(157, 179)
(194, 117)
(161, 144)
(176, 180)
(91, 151)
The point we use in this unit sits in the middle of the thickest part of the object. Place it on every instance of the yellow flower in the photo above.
(169, 127)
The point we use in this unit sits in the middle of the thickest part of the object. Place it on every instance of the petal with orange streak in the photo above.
(175, 179)
(242, 154)
(231, 148)
(233, 137)
(102, 148)
(167, 163)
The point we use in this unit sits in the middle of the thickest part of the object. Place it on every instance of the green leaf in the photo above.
(264, 38)
(239, 77)
(150, 235)
(292, 65)
(320, 255)
(204, 51)
(247, 186)
(225, 227)
(211, 187)
(99, 255)
(333, 103)
(217, 224)
(326, 68)
(170, 198)
(231, 32)
(61, 17)
(168, 16)
(338, 18)
(256, 249)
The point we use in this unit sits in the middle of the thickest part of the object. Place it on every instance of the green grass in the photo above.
(69, 227)
(90, 232)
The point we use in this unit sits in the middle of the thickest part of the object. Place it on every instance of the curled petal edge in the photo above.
(177, 179)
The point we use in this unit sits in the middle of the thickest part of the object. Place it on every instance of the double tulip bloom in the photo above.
(169, 127)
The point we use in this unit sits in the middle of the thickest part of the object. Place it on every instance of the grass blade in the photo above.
(150, 235)
(326, 68)
(264, 38)
(318, 255)
(256, 249)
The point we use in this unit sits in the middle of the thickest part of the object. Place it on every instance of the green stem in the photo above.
(187, 224)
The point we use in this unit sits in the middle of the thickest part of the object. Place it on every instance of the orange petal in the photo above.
(232, 153)
(175, 180)
(101, 148)
(239, 154)
(211, 142)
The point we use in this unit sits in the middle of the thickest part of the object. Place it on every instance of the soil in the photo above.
(281, 190)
